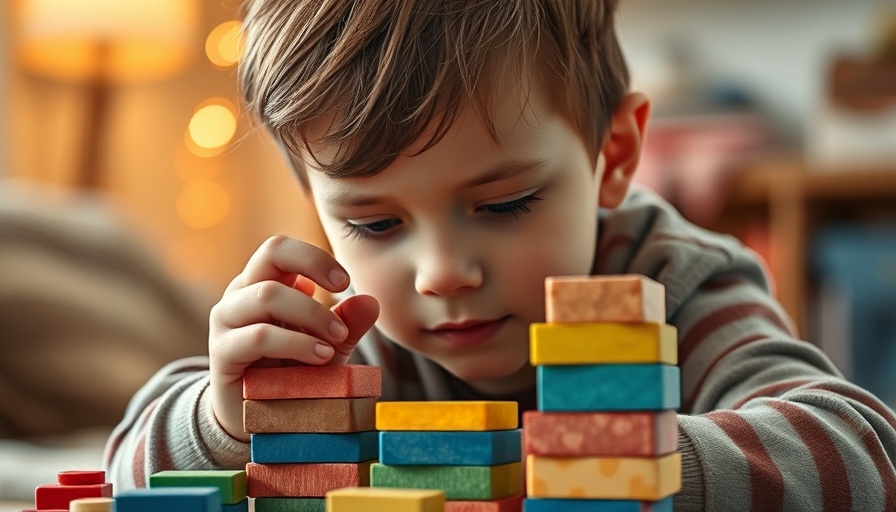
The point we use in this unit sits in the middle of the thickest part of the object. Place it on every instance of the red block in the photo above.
(511, 504)
(51, 496)
(345, 381)
(81, 477)
(600, 433)
(304, 480)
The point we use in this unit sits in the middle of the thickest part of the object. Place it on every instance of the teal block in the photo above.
(489, 448)
(169, 499)
(457, 482)
(575, 505)
(240, 506)
(290, 505)
(609, 387)
(314, 448)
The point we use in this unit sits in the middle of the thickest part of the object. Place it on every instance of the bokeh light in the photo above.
(223, 46)
(213, 125)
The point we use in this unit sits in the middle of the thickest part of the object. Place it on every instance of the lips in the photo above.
(468, 333)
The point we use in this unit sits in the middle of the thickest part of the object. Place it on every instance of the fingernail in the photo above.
(323, 350)
(338, 330)
(338, 277)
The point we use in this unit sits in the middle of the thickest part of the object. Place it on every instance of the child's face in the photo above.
(455, 243)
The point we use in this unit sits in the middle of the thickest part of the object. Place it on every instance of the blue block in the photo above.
(490, 448)
(240, 506)
(562, 505)
(609, 387)
(169, 499)
(309, 448)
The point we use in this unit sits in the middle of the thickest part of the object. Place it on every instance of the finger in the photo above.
(279, 257)
(359, 313)
(245, 346)
(274, 303)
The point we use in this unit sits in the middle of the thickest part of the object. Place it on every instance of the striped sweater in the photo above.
(766, 422)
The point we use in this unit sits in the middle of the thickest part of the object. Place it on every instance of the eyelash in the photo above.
(502, 210)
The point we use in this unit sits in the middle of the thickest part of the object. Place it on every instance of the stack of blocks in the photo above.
(470, 450)
(605, 436)
(312, 431)
(72, 486)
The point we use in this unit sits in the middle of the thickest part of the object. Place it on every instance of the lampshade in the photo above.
(118, 40)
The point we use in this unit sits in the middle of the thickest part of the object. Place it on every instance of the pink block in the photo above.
(345, 381)
(304, 480)
(511, 504)
(583, 434)
(617, 298)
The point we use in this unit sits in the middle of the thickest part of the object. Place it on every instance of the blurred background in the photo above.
(133, 187)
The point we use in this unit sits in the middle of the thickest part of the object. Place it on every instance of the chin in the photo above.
(483, 371)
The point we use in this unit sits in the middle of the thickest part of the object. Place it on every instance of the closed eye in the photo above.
(512, 208)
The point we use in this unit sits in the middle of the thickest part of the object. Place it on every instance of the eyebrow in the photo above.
(502, 171)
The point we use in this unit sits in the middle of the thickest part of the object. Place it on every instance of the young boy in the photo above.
(458, 153)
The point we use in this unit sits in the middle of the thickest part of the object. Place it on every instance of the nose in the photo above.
(448, 268)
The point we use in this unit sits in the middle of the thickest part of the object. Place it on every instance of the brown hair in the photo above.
(384, 72)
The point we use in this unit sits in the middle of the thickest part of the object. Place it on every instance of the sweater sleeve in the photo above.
(767, 422)
(169, 424)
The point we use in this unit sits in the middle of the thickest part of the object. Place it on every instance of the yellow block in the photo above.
(447, 416)
(604, 478)
(385, 499)
(601, 343)
(91, 505)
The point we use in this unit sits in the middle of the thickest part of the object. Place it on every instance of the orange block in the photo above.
(582, 434)
(345, 381)
(310, 415)
(622, 298)
(304, 480)
(511, 504)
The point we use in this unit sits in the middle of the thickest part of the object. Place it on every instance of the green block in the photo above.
(290, 505)
(457, 482)
(231, 483)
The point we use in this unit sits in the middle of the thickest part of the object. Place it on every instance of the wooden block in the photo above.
(81, 477)
(92, 505)
(447, 416)
(310, 448)
(577, 434)
(304, 480)
(309, 415)
(490, 448)
(59, 496)
(230, 483)
(240, 506)
(608, 387)
(567, 505)
(458, 482)
(511, 504)
(606, 478)
(344, 381)
(622, 298)
(602, 343)
(369, 499)
(169, 499)
(290, 504)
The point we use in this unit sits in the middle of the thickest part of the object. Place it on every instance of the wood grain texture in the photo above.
(458, 482)
(345, 381)
(447, 415)
(310, 415)
(617, 298)
(304, 480)
(511, 504)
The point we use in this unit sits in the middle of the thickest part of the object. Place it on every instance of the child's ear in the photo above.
(621, 150)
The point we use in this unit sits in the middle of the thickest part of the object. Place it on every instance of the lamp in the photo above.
(97, 43)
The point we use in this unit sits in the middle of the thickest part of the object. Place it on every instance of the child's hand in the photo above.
(267, 312)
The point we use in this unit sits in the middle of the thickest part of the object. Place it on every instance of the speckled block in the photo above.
(447, 416)
(309, 415)
(169, 499)
(290, 505)
(369, 499)
(489, 448)
(617, 298)
(92, 505)
(577, 434)
(458, 482)
(556, 505)
(602, 343)
(344, 381)
(312, 448)
(511, 504)
(304, 480)
(609, 387)
(230, 483)
(606, 478)
(59, 496)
